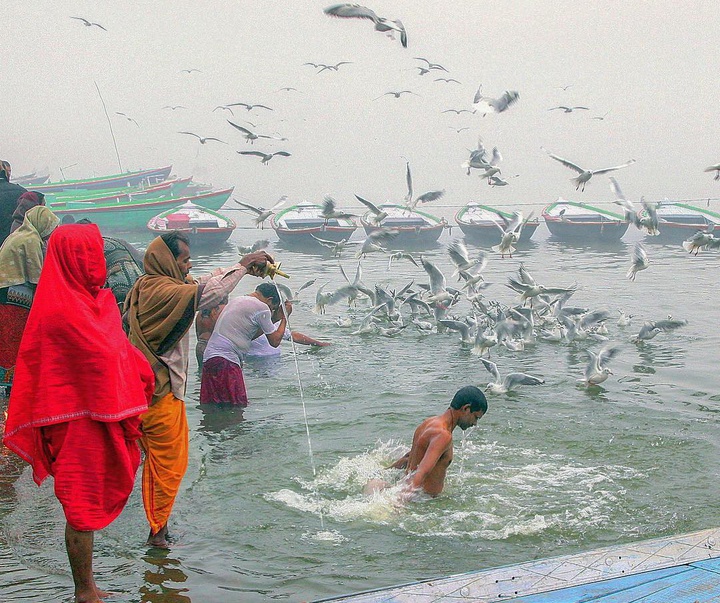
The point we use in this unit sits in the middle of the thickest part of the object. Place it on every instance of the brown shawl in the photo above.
(160, 309)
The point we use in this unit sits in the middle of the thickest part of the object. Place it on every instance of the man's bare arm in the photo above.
(436, 448)
(401, 463)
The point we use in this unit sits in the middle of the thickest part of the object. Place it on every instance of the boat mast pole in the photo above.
(117, 153)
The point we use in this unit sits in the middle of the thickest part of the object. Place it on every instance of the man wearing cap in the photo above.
(9, 195)
(432, 448)
(245, 318)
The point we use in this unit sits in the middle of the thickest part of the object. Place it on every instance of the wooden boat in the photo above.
(31, 179)
(572, 221)
(297, 224)
(677, 569)
(679, 221)
(104, 182)
(168, 188)
(479, 224)
(204, 227)
(418, 230)
(132, 214)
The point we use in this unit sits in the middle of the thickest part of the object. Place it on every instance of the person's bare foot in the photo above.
(160, 539)
(89, 596)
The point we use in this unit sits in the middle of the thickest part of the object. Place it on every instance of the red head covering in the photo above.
(74, 360)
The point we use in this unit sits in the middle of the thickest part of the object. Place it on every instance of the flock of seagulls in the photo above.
(542, 315)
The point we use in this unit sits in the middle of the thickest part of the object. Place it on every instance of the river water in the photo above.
(550, 470)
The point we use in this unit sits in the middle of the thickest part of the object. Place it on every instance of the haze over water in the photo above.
(550, 470)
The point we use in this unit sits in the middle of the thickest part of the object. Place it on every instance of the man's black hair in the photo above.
(470, 395)
(269, 291)
(173, 238)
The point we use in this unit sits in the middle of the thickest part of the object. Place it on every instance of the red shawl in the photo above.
(74, 360)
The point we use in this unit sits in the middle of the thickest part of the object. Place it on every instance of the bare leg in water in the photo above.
(80, 553)
(159, 539)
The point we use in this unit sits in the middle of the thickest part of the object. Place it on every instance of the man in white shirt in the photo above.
(244, 318)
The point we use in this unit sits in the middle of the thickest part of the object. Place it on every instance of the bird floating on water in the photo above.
(356, 11)
(596, 370)
(585, 175)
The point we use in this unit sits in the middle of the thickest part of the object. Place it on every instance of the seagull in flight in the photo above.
(323, 67)
(330, 213)
(585, 175)
(174, 107)
(568, 109)
(87, 23)
(190, 71)
(649, 222)
(424, 198)
(396, 94)
(288, 89)
(714, 168)
(488, 104)
(266, 157)
(431, 66)
(202, 139)
(596, 370)
(511, 380)
(378, 214)
(261, 213)
(250, 136)
(126, 116)
(447, 80)
(248, 106)
(355, 11)
(639, 261)
(458, 111)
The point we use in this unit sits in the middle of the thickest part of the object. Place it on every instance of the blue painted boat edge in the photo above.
(553, 575)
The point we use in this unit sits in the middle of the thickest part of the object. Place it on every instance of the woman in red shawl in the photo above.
(79, 389)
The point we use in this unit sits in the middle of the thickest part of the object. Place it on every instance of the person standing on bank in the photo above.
(77, 396)
(9, 195)
(160, 309)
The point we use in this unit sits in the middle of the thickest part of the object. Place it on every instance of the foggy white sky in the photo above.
(651, 65)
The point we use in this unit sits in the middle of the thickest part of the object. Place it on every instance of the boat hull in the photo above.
(135, 214)
(416, 230)
(480, 226)
(297, 226)
(680, 221)
(204, 227)
(114, 181)
(570, 230)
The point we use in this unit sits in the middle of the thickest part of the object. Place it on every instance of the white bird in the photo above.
(356, 11)
(265, 156)
(700, 240)
(484, 340)
(424, 198)
(648, 222)
(400, 255)
(585, 175)
(378, 214)
(596, 370)
(377, 240)
(639, 261)
(87, 23)
(261, 213)
(251, 136)
(249, 106)
(510, 382)
(488, 104)
(203, 139)
(465, 330)
(256, 246)
(714, 168)
(330, 213)
(335, 247)
(325, 67)
(567, 109)
(126, 116)
(397, 94)
(652, 328)
(624, 319)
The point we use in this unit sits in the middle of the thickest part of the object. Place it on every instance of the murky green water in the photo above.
(550, 470)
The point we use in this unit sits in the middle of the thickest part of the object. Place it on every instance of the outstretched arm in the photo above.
(401, 463)
(303, 339)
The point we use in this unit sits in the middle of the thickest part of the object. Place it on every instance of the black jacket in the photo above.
(9, 195)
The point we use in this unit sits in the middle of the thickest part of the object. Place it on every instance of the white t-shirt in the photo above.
(237, 325)
(261, 347)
